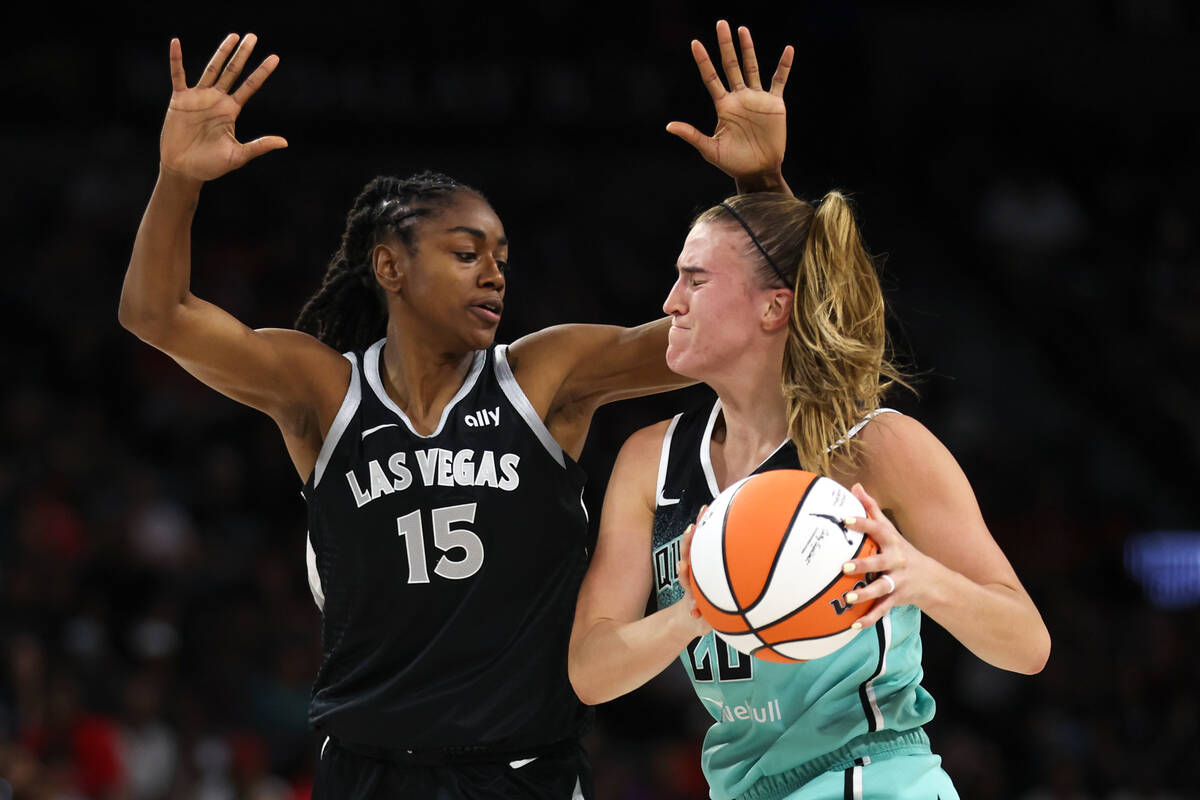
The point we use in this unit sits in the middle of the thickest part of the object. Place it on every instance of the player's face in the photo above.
(715, 305)
(455, 282)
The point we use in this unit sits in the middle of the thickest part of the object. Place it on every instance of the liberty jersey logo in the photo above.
(483, 418)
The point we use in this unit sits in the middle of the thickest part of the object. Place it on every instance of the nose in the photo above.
(490, 276)
(674, 305)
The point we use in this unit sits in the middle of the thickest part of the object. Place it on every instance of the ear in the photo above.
(390, 261)
(778, 310)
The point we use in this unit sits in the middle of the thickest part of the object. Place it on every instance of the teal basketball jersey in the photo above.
(773, 722)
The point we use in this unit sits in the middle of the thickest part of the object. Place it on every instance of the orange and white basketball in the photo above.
(766, 563)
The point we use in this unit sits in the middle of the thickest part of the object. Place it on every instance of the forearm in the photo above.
(766, 182)
(995, 622)
(159, 274)
(614, 658)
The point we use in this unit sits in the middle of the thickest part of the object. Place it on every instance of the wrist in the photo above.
(177, 180)
(769, 181)
(684, 627)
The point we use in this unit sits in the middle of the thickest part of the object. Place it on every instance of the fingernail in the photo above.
(689, 529)
(848, 522)
(856, 626)
(848, 567)
(852, 597)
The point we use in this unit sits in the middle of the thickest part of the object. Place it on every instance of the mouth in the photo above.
(489, 311)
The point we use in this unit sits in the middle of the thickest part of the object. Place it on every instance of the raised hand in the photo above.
(198, 140)
(751, 131)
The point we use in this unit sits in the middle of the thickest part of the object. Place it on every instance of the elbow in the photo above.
(147, 324)
(135, 319)
(1035, 656)
(1041, 653)
(584, 689)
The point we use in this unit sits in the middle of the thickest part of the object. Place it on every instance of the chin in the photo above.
(679, 363)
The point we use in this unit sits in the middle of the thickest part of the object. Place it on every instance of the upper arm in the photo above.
(619, 578)
(923, 489)
(292, 377)
(595, 364)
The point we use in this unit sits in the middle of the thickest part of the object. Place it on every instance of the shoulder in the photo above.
(636, 467)
(646, 443)
(323, 372)
(901, 458)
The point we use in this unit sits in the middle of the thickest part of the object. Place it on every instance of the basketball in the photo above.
(766, 563)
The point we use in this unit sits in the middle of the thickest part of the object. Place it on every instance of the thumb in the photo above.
(264, 144)
(692, 136)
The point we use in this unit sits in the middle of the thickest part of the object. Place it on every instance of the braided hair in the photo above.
(348, 312)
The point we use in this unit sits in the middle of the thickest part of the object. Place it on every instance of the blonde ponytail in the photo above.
(836, 364)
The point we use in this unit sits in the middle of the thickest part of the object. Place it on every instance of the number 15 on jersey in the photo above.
(446, 538)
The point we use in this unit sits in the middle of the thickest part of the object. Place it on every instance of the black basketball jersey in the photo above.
(447, 569)
(686, 484)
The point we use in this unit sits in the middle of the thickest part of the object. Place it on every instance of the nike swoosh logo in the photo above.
(522, 762)
(369, 431)
(663, 501)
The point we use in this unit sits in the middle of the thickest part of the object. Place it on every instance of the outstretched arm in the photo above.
(614, 648)
(287, 374)
(751, 134)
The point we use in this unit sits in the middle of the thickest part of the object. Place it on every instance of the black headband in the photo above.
(757, 244)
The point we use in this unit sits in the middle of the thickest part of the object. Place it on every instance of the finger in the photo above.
(703, 508)
(692, 136)
(872, 525)
(685, 546)
(255, 79)
(868, 564)
(875, 614)
(873, 509)
(234, 67)
(178, 77)
(781, 71)
(876, 589)
(708, 73)
(214, 64)
(749, 60)
(729, 59)
(264, 144)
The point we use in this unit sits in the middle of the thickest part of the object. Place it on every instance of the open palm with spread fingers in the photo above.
(198, 139)
(751, 131)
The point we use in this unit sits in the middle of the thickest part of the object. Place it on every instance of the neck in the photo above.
(422, 375)
(755, 417)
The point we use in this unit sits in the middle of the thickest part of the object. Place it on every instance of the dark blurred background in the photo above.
(1026, 169)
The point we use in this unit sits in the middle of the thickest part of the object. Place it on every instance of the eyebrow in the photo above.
(477, 233)
(691, 270)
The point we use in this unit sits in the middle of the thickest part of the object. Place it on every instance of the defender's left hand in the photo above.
(901, 569)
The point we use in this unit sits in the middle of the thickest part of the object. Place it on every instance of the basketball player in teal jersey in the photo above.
(777, 307)
(421, 443)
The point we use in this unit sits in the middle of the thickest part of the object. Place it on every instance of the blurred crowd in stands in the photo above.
(1029, 171)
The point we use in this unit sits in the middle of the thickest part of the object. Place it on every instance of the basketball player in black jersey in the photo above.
(446, 538)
